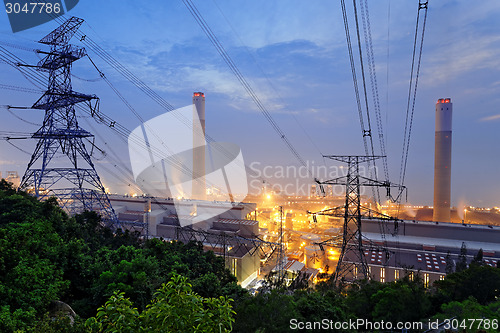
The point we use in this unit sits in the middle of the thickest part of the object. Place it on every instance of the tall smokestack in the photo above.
(442, 161)
(199, 187)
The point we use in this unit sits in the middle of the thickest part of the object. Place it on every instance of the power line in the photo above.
(412, 89)
(20, 118)
(146, 89)
(17, 46)
(387, 61)
(16, 62)
(18, 148)
(100, 117)
(21, 89)
(266, 77)
(143, 87)
(241, 78)
(366, 131)
(353, 72)
(373, 80)
(365, 18)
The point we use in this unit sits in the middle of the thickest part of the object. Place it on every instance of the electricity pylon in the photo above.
(61, 166)
(352, 262)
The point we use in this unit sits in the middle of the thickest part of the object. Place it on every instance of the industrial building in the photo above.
(159, 218)
(423, 247)
(12, 177)
(222, 225)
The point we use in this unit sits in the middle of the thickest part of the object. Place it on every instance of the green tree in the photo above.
(265, 312)
(316, 306)
(46, 256)
(136, 274)
(478, 258)
(18, 319)
(29, 249)
(193, 262)
(401, 301)
(175, 308)
(359, 297)
(471, 309)
(480, 282)
(450, 265)
(462, 259)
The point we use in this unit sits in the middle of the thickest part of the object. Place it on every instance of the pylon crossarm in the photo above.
(63, 33)
(329, 211)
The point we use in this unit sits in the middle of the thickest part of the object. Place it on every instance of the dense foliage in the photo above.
(62, 274)
(470, 294)
(46, 257)
(175, 308)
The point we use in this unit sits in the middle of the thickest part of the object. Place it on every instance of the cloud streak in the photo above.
(491, 118)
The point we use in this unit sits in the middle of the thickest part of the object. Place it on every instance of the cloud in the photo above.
(282, 74)
(260, 23)
(491, 118)
(453, 60)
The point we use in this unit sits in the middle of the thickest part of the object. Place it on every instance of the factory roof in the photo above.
(219, 231)
(172, 201)
(134, 212)
(434, 241)
(238, 221)
(426, 260)
(294, 266)
(440, 224)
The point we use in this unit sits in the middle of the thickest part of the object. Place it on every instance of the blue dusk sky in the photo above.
(294, 54)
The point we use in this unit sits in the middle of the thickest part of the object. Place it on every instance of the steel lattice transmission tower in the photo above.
(72, 178)
(280, 261)
(352, 262)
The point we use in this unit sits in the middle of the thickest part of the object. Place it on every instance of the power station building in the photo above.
(216, 234)
(442, 161)
(221, 224)
(425, 248)
(12, 177)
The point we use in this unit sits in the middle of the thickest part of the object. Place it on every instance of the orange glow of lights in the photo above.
(444, 100)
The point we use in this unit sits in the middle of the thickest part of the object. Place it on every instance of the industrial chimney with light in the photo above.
(442, 161)
(199, 143)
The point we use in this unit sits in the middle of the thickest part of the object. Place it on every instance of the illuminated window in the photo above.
(396, 274)
(410, 276)
(441, 277)
(426, 279)
(234, 266)
(382, 274)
